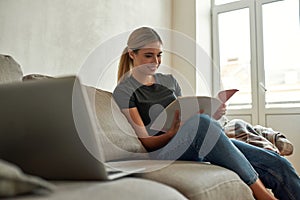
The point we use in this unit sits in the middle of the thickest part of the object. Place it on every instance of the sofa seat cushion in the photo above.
(201, 181)
(126, 189)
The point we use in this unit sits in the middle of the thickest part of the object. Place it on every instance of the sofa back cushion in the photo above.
(118, 138)
(10, 70)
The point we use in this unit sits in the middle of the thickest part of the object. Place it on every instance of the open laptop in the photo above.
(47, 128)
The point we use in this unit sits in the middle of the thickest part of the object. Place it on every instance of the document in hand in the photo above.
(189, 106)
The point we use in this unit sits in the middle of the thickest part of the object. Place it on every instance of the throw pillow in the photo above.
(35, 77)
(10, 70)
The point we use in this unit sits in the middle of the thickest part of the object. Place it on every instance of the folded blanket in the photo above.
(259, 136)
(284, 146)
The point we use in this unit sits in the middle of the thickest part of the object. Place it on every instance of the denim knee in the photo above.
(194, 133)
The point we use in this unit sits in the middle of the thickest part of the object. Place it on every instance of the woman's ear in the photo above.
(131, 54)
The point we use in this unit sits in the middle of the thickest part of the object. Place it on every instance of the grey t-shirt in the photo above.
(149, 100)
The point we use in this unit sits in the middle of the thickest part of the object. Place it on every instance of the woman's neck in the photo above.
(144, 79)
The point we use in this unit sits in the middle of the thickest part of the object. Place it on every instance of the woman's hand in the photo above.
(220, 112)
(175, 124)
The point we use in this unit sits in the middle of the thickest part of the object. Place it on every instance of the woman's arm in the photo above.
(151, 143)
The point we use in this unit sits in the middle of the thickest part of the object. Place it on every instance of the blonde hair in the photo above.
(137, 39)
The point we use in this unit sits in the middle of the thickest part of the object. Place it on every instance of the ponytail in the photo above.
(124, 64)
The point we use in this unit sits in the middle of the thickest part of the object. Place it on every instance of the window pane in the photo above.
(281, 53)
(235, 69)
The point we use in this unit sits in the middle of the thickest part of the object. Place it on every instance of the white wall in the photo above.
(183, 60)
(194, 64)
(288, 125)
(55, 37)
(204, 63)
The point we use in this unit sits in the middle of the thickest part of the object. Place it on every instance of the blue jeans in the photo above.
(202, 139)
(275, 171)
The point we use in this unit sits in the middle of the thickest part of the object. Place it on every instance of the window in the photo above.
(256, 46)
(281, 45)
(235, 56)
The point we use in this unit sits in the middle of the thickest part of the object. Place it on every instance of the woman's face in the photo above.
(147, 59)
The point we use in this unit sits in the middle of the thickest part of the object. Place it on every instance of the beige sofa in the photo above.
(177, 180)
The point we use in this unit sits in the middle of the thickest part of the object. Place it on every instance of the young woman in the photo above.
(142, 94)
